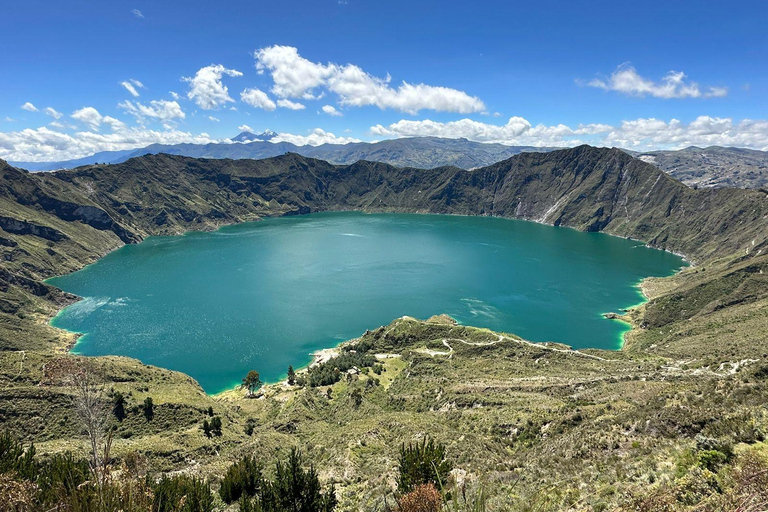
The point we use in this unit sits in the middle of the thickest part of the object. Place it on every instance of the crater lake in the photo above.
(265, 295)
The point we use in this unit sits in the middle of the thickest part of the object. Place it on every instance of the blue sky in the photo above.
(540, 73)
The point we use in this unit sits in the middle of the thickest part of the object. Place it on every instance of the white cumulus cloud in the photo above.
(29, 107)
(627, 80)
(640, 134)
(206, 88)
(93, 119)
(257, 99)
(245, 128)
(316, 137)
(44, 144)
(284, 103)
(297, 77)
(331, 110)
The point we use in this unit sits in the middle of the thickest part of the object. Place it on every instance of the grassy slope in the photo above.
(592, 429)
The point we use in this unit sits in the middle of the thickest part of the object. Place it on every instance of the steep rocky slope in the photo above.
(713, 166)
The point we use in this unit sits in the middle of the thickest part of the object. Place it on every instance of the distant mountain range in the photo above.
(421, 152)
(709, 167)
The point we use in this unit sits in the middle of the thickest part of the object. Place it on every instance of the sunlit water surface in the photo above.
(265, 295)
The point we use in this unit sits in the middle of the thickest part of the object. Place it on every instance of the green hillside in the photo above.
(536, 427)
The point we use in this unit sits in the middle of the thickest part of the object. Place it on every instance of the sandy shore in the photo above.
(323, 356)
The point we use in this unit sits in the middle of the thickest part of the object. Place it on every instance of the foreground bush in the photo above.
(423, 498)
(182, 494)
(422, 464)
(243, 478)
(63, 483)
(294, 489)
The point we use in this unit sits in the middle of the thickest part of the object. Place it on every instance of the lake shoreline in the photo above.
(321, 355)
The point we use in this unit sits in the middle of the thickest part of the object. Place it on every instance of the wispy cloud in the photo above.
(132, 85)
(53, 113)
(137, 13)
(29, 107)
(162, 110)
(627, 80)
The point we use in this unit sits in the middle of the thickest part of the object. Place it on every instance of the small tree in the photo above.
(251, 382)
(118, 402)
(90, 410)
(149, 408)
(291, 376)
(243, 478)
(182, 494)
(206, 428)
(422, 464)
(295, 488)
(216, 425)
(357, 397)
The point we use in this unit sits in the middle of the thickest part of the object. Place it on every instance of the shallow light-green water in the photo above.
(265, 295)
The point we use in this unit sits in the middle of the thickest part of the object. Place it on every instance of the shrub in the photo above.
(422, 464)
(216, 425)
(118, 406)
(60, 477)
(242, 479)
(14, 458)
(357, 397)
(712, 459)
(149, 408)
(294, 488)
(182, 494)
(423, 498)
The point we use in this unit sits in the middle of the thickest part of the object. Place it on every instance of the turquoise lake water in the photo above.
(264, 295)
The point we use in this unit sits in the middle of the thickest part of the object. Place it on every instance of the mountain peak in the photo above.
(251, 137)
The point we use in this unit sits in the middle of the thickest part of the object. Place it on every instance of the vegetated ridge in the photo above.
(713, 166)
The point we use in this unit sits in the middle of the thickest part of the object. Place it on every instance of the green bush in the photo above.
(15, 459)
(242, 479)
(712, 459)
(293, 489)
(422, 463)
(149, 408)
(182, 494)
